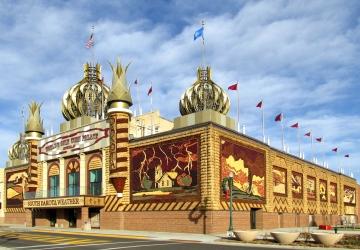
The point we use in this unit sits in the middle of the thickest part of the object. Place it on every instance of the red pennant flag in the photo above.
(347, 156)
(278, 118)
(233, 87)
(296, 125)
(150, 91)
(334, 150)
(308, 134)
(319, 139)
(259, 105)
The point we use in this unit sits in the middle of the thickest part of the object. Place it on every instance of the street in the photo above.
(32, 240)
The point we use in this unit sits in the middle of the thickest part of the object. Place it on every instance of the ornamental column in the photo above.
(34, 131)
(118, 104)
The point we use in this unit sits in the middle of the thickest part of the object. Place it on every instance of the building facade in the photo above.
(103, 170)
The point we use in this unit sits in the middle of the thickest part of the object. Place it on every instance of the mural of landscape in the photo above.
(311, 188)
(279, 181)
(323, 190)
(248, 167)
(297, 185)
(333, 192)
(165, 171)
(16, 186)
(349, 195)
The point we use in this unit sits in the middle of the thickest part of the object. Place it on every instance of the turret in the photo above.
(34, 130)
(118, 111)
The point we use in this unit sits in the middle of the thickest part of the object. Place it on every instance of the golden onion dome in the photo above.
(204, 94)
(88, 97)
(19, 150)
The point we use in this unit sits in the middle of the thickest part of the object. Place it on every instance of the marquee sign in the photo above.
(73, 142)
(78, 201)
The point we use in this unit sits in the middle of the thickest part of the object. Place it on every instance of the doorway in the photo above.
(94, 215)
(312, 222)
(281, 220)
(52, 217)
(72, 217)
(253, 217)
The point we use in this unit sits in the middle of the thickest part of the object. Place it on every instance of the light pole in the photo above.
(230, 183)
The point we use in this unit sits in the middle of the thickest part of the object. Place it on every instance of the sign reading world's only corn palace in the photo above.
(84, 139)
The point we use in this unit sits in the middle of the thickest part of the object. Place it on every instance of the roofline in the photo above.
(205, 124)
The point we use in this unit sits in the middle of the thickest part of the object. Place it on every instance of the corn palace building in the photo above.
(106, 170)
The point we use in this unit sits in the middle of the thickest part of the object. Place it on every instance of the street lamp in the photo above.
(230, 178)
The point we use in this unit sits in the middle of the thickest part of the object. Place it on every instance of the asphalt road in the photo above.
(32, 240)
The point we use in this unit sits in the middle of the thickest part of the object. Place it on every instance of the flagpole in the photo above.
(238, 106)
(203, 43)
(298, 137)
(137, 97)
(151, 114)
(92, 48)
(263, 124)
(312, 147)
(282, 132)
(322, 154)
(102, 99)
(23, 118)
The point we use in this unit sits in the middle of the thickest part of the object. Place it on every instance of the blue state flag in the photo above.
(199, 33)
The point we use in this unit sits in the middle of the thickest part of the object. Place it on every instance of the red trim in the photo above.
(122, 120)
(118, 183)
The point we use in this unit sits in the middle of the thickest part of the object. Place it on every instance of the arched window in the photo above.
(73, 178)
(53, 180)
(95, 175)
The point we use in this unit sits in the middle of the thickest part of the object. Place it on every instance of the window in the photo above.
(54, 185)
(73, 184)
(53, 180)
(95, 181)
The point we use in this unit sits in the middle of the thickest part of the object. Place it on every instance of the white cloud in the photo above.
(302, 59)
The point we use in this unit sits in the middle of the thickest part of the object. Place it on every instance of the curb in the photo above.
(96, 234)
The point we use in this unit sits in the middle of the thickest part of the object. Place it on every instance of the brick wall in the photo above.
(15, 218)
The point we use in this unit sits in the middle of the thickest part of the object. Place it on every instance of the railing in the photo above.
(62, 192)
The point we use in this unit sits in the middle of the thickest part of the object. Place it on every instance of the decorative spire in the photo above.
(34, 122)
(120, 91)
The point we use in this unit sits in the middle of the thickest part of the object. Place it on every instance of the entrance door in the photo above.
(281, 220)
(253, 218)
(312, 220)
(95, 218)
(52, 217)
(72, 217)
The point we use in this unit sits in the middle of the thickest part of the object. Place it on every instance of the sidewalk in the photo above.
(163, 236)
(169, 236)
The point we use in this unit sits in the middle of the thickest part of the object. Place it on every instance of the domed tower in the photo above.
(88, 97)
(204, 94)
(34, 130)
(19, 150)
(204, 101)
(118, 111)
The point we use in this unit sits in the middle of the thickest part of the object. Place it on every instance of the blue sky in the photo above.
(300, 57)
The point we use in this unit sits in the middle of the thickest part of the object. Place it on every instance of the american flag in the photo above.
(90, 41)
